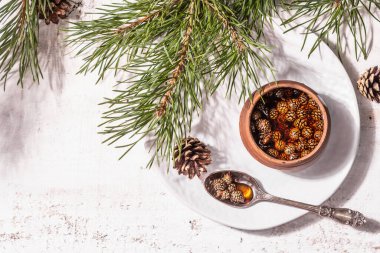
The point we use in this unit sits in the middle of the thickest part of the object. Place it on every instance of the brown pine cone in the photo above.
(277, 135)
(58, 9)
(290, 149)
(231, 187)
(192, 158)
(294, 133)
(237, 197)
(273, 152)
(369, 84)
(225, 195)
(293, 104)
(219, 185)
(227, 178)
(263, 125)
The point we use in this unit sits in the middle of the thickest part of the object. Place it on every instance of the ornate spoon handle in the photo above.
(342, 215)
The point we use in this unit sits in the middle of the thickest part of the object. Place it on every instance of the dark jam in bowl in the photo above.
(286, 124)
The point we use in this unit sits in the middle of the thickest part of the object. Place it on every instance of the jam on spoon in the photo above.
(250, 192)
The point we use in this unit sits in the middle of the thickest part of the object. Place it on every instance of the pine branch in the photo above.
(130, 25)
(326, 18)
(173, 65)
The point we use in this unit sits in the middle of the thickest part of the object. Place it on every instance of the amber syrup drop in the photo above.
(246, 190)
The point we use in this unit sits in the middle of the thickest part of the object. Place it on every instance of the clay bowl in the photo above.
(250, 143)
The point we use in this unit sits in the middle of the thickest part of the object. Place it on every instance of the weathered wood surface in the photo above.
(63, 191)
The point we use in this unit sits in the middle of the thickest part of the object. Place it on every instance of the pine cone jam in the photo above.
(226, 188)
(294, 122)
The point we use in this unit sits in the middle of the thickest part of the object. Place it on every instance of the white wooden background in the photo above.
(61, 190)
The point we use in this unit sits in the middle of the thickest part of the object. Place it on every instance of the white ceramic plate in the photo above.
(218, 126)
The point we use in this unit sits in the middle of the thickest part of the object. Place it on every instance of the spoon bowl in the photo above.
(240, 178)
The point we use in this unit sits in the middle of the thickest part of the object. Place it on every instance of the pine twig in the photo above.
(130, 25)
(180, 66)
(23, 14)
(237, 40)
(326, 18)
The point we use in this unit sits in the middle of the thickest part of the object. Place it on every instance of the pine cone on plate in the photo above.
(192, 157)
(369, 84)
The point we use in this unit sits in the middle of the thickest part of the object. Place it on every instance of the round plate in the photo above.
(218, 126)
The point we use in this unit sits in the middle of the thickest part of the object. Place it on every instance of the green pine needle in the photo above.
(329, 18)
(19, 39)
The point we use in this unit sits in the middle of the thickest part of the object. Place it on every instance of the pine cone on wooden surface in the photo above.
(58, 9)
(369, 84)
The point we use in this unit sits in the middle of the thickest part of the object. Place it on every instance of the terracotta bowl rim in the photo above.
(266, 158)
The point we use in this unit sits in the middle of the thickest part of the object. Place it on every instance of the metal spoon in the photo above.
(342, 215)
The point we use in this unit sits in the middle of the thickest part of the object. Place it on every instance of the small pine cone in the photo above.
(369, 84)
(302, 113)
(273, 113)
(219, 185)
(225, 195)
(192, 158)
(303, 99)
(316, 115)
(280, 145)
(318, 135)
(312, 144)
(263, 125)
(218, 194)
(301, 145)
(231, 187)
(312, 105)
(256, 115)
(282, 107)
(300, 123)
(293, 104)
(294, 133)
(237, 197)
(280, 93)
(290, 149)
(290, 116)
(265, 138)
(307, 132)
(318, 125)
(227, 178)
(276, 135)
(273, 152)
